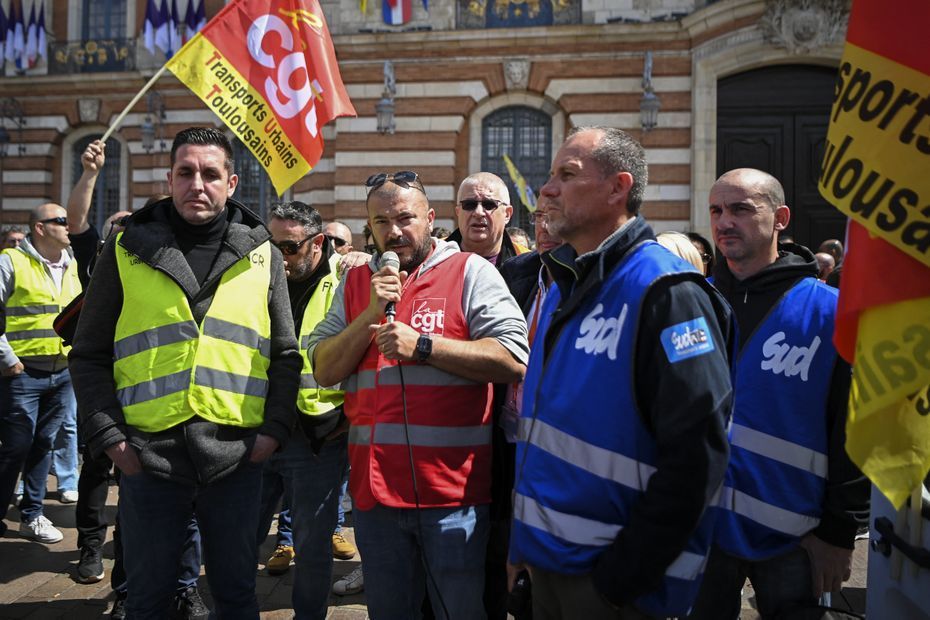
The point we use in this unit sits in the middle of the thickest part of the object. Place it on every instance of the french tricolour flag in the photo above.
(396, 12)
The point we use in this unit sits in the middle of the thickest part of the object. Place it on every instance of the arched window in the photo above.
(104, 19)
(254, 190)
(106, 198)
(525, 135)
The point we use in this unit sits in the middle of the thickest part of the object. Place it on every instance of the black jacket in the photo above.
(521, 273)
(508, 250)
(685, 406)
(846, 502)
(313, 428)
(196, 451)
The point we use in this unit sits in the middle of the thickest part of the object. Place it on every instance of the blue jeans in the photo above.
(273, 491)
(188, 571)
(154, 516)
(454, 541)
(311, 481)
(32, 407)
(341, 520)
(65, 455)
(781, 584)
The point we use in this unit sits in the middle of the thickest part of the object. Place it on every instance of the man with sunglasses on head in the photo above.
(37, 280)
(186, 370)
(309, 470)
(443, 323)
(482, 212)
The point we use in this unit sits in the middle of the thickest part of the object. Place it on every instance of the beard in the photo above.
(417, 256)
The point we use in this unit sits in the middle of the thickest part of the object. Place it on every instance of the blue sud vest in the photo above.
(581, 466)
(775, 483)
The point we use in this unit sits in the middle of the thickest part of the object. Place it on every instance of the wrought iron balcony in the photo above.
(91, 56)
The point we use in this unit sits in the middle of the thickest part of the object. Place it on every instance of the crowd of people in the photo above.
(606, 423)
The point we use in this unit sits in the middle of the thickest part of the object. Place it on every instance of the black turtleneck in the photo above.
(200, 243)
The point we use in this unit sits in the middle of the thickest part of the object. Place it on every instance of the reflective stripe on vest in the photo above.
(313, 399)
(593, 459)
(580, 477)
(588, 532)
(776, 477)
(449, 417)
(413, 375)
(772, 517)
(168, 369)
(420, 435)
(34, 303)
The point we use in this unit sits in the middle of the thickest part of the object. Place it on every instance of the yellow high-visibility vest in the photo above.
(312, 399)
(34, 304)
(168, 369)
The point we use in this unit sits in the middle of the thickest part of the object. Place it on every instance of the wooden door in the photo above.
(775, 119)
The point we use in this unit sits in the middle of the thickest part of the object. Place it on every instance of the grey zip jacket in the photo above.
(196, 451)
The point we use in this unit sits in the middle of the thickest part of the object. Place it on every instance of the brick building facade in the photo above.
(474, 79)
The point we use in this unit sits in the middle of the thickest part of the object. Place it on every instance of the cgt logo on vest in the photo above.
(429, 315)
(784, 358)
(599, 334)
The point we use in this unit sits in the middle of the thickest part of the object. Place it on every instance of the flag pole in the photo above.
(135, 100)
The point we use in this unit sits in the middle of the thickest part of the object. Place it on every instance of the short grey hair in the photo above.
(617, 151)
(301, 213)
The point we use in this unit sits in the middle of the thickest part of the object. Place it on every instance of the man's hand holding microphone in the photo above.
(396, 341)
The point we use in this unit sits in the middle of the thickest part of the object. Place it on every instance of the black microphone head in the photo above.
(389, 259)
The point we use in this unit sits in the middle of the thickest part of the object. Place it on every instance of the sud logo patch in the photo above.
(688, 339)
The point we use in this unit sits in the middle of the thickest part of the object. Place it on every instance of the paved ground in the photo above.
(37, 581)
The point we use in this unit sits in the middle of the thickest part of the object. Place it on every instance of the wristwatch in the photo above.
(424, 347)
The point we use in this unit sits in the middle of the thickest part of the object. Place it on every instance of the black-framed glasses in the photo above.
(289, 248)
(336, 241)
(61, 221)
(489, 204)
(403, 178)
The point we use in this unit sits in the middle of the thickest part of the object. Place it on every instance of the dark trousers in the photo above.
(91, 521)
(566, 597)
(781, 584)
(90, 511)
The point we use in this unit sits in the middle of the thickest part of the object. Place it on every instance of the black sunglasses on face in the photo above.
(403, 178)
(336, 241)
(289, 248)
(61, 221)
(489, 204)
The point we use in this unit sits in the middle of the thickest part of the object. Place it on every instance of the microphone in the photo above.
(389, 259)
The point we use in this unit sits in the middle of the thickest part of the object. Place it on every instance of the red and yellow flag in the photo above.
(875, 170)
(269, 71)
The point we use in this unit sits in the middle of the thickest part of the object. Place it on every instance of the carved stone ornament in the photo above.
(88, 109)
(517, 74)
(802, 26)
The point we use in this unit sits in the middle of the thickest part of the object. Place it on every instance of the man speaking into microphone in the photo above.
(417, 387)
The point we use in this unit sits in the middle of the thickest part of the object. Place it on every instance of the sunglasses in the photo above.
(489, 204)
(403, 178)
(336, 241)
(289, 248)
(61, 221)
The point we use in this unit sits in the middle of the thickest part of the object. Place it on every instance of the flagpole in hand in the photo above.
(135, 100)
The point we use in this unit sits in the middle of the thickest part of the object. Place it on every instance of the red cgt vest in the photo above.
(449, 416)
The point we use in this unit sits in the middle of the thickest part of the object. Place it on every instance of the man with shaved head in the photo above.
(418, 397)
(792, 500)
(37, 280)
(482, 211)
